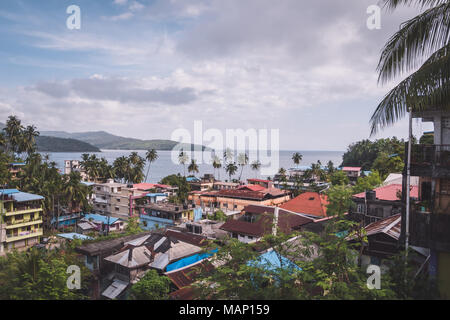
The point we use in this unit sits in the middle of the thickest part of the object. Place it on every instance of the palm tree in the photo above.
(28, 141)
(75, 192)
(297, 158)
(227, 155)
(193, 167)
(256, 165)
(13, 133)
(231, 169)
(120, 166)
(150, 156)
(216, 165)
(242, 161)
(423, 38)
(183, 158)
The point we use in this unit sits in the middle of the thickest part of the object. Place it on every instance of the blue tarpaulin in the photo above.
(270, 261)
(189, 260)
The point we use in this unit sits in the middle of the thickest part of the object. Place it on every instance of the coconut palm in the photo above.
(242, 162)
(256, 165)
(120, 166)
(28, 141)
(13, 133)
(231, 169)
(297, 158)
(216, 165)
(150, 156)
(421, 45)
(183, 158)
(193, 167)
(227, 155)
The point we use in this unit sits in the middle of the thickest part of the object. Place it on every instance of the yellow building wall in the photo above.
(444, 274)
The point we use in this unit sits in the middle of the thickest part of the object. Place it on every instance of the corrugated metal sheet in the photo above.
(23, 197)
(115, 289)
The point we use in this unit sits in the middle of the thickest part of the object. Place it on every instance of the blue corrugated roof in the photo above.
(190, 260)
(73, 235)
(156, 194)
(23, 197)
(99, 217)
(8, 191)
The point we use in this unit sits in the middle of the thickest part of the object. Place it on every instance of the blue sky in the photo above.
(145, 68)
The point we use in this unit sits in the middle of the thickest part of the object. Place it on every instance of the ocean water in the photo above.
(164, 165)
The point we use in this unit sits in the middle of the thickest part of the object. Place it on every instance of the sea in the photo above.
(165, 166)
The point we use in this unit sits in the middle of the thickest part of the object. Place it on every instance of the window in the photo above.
(250, 238)
(445, 186)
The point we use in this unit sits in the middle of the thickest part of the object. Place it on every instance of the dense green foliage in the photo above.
(384, 155)
(179, 181)
(373, 180)
(53, 144)
(41, 275)
(322, 266)
(151, 287)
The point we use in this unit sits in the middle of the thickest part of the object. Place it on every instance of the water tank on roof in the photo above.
(371, 195)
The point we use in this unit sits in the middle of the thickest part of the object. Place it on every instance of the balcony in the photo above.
(23, 210)
(430, 160)
(25, 235)
(430, 230)
(23, 223)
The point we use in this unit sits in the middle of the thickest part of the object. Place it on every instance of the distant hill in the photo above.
(105, 140)
(53, 144)
(95, 140)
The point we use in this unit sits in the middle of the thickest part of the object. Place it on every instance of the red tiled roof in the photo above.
(351, 169)
(185, 277)
(259, 180)
(389, 192)
(244, 227)
(246, 194)
(311, 203)
(190, 238)
(252, 187)
(263, 225)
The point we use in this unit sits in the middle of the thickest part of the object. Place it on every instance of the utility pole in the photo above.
(408, 185)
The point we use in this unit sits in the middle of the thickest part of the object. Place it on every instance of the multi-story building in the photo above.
(380, 203)
(430, 217)
(114, 199)
(20, 220)
(237, 199)
(163, 214)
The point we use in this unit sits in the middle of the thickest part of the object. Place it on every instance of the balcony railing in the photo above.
(24, 235)
(428, 155)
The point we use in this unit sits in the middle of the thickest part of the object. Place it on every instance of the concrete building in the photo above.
(116, 199)
(430, 217)
(20, 220)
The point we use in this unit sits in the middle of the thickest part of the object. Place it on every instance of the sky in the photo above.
(145, 68)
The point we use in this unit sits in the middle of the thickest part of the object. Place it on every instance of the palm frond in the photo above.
(426, 89)
(417, 39)
(393, 4)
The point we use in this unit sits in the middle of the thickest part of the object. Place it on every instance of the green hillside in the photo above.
(105, 140)
(53, 144)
